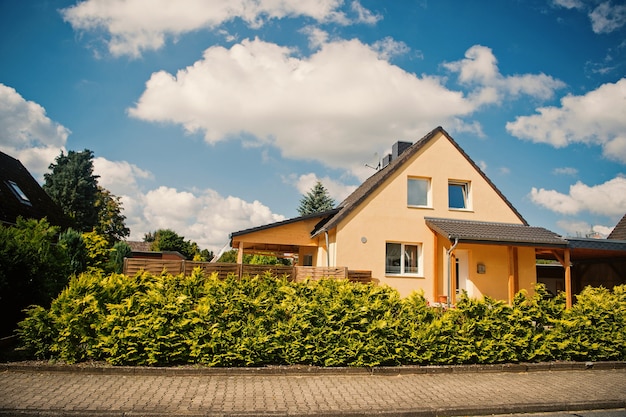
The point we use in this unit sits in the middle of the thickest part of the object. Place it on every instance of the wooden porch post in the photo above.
(566, 262)
(453, 271)
(240, 254)
(511, 281)
(568, 279)
(435, 268)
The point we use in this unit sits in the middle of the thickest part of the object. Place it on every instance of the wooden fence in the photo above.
(293, 273)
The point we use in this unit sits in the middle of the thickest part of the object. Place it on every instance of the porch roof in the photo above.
(492, 233)
(322, 215)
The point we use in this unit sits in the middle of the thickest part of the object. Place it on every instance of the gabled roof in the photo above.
(376, 180)
(21, 195)
(619, 232)
(467, 231)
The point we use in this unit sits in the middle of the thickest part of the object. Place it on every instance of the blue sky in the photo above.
(212, 116)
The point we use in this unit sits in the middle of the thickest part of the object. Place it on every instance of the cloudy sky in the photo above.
(212, 116)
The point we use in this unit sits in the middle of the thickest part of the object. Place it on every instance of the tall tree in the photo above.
(74, 187)
(316, 200)
(110, 218)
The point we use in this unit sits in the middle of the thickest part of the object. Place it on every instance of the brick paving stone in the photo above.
(24, 392)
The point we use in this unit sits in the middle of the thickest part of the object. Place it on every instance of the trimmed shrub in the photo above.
(167, 320)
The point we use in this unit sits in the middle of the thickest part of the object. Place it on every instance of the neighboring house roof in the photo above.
(137, 246)
(376, 180)
(467, 231)
(21, 195)
(619, 232)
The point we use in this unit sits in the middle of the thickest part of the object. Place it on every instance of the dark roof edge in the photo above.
(284, 222)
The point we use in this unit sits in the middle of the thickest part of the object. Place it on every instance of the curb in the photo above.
(431, 412)
(295, 370)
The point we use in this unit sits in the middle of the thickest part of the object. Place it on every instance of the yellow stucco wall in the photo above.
(385, 217)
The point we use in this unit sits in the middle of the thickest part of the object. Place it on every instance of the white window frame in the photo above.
(428, 192)
(403, 260)
(467, 191)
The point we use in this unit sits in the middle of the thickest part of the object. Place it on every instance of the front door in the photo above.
(461, 269)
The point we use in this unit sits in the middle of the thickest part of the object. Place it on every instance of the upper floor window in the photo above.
(18, 192)
(459, 195)
(418, 192)
(402, 259)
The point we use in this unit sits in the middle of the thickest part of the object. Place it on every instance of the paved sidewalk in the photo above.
(27, 390)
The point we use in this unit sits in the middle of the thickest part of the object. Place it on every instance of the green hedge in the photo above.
(166, 320)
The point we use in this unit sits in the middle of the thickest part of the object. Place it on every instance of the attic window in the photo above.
(418, 192)
(459, 195)
(18, 192)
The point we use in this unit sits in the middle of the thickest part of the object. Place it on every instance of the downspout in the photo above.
(327, 249)
(448, 253)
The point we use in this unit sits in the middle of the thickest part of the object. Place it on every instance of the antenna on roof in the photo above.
(377, 167)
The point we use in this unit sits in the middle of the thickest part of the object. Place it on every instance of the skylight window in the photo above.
(18, 192)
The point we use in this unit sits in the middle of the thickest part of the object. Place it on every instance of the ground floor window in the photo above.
(402, 259)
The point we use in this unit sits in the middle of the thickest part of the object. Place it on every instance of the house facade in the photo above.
(429, 220)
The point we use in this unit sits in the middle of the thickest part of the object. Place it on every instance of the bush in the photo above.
(253, 321)
(33, 269)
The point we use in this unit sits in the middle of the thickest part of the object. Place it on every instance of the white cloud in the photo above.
(596, 118)
(565, 171)
(389, 48)
(119, 177)
(204, 216)
(607, 17)
(134, 26)
(364, 15)
(337, 190)
(317, 37)
(26, 133)
(320, 107)
(480, 70)
(569, 4)
(583, 229)
(607, 199)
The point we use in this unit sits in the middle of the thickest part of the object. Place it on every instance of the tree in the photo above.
(97, 251)
(110, 218)
(76, 249)
(169, 240)
(120, 251)
(73, 186)
(316, 200)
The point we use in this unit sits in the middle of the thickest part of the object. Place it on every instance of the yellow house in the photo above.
(428, 220)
